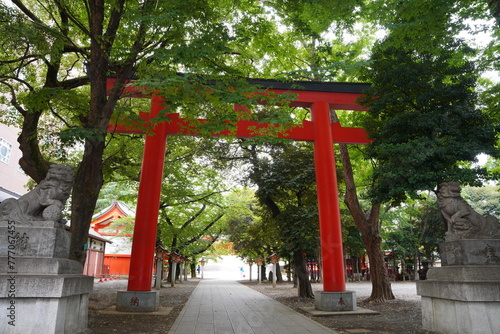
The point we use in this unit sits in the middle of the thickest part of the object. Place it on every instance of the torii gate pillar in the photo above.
(139, 297)
(334, 297)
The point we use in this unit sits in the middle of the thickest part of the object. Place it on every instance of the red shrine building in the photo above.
(115, 257)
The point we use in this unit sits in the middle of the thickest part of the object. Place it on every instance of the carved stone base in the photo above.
(335, 301)
(49, 304)
(41, 290)
(470, 252)
(463, 297)
(460, 317)
(34, 239)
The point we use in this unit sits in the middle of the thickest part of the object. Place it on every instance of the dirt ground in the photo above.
(402, 315)
(399, 316)
(104, 297)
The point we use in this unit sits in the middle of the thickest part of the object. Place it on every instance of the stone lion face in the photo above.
(450, 189)
(54, 189)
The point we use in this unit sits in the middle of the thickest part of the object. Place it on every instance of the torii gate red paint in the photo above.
(320, 130)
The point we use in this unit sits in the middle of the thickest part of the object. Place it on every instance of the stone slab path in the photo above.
(228, 307)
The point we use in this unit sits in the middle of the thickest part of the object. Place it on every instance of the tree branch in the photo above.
(190, 220)
(201, 233)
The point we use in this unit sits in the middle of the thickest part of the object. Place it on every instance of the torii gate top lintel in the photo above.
(321, 98)
(339, 96)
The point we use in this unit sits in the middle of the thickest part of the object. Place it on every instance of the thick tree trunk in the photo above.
(193, 267)
(263, 275)
(304, 285)
(32, 161)
(89, 178)
(369, 227)
(88, 183)
(279, 276)
(381, 287)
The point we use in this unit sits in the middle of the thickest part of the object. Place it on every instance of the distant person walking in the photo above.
(242, 272)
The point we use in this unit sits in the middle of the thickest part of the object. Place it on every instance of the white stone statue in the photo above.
(462, 221)
(45, 202)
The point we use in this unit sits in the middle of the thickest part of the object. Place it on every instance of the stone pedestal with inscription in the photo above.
(41, 290)
(335, 301)
(463, 296)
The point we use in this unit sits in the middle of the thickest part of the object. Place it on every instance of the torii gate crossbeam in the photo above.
(321, 98)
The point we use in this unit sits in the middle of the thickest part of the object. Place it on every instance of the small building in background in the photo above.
(106, 224)
(96, 248)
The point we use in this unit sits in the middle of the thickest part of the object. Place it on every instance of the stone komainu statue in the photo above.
(462, 221)
(45, 202)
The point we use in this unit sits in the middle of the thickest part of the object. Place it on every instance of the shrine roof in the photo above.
(116, 207)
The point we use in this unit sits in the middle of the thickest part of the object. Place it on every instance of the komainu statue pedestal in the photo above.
(41, 290)
(463, 296)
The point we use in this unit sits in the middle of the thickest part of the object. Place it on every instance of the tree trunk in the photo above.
(32, 161)
(369, 227)
(304, 285)
(88, 183)
(263, 275)
(193, 267)
(381, 287)
(289, 271)
(89, 177)
(279, 276)
(169, 275)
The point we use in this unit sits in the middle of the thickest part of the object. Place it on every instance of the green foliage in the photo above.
(414, 227)
(286, 189)
(423, 120)
(192, 206)
(485, 200)
(352, 242)
(247, 231)
(125, 191)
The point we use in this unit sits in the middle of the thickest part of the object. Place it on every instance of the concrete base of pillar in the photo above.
(138, 301)
(335, 301)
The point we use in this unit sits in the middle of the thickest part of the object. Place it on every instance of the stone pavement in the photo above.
(228, 307)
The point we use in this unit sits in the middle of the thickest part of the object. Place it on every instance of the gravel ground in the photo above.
(104, 297)
(402, 315)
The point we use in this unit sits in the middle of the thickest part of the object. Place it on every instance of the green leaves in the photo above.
(423, 120)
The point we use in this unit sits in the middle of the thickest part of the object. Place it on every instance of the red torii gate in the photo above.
(320, 98)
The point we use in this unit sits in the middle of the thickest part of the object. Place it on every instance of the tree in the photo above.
(424, 122)
(430, 226)
(286, 189)
(244, 227)
(485, 200)
(419, 33)
(368, 225)
(49, 45)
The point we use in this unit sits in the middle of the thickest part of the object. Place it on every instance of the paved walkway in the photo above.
(228, 307)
